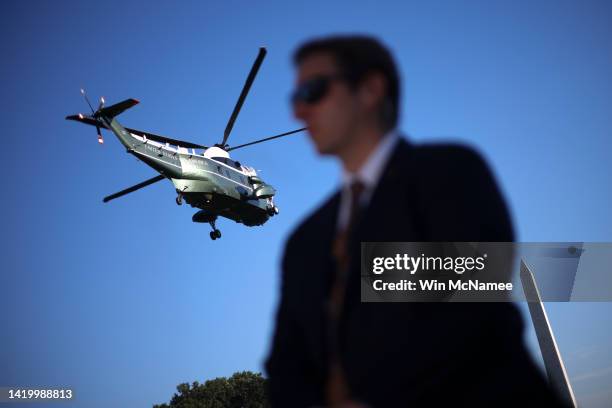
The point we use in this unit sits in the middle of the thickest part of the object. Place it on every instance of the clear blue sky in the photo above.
(123, 301)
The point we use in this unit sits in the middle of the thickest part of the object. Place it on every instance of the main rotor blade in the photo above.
(266, 139)
(243, 94)
(134, 188)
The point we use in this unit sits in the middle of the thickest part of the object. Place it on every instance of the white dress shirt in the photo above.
(369, 174)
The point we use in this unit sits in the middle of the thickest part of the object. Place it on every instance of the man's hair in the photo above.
(358, 56)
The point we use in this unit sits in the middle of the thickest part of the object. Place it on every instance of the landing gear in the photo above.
(215, 233)
(179, 196)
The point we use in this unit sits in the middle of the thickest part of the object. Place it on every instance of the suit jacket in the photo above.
(401, 354)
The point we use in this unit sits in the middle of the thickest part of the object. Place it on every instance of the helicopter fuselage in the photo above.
(210, 181)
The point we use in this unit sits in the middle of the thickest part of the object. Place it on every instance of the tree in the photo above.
(242, 390)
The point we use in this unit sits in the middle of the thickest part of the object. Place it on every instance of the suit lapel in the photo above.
(327, 234)
(390, 198)
(319, 268)
(390, 202)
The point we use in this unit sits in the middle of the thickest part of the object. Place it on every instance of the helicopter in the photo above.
(209, 179)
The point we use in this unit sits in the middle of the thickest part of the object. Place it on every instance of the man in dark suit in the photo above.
(329, 349)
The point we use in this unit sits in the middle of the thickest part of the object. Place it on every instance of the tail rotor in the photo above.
(94, 114)
(87, 100)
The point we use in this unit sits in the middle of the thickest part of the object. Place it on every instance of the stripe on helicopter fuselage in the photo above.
(155, 158)
(206, 171)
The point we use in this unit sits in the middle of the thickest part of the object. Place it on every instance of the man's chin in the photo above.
(324, 151)
(321, 149)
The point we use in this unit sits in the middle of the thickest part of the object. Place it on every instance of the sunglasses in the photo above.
(315, 89)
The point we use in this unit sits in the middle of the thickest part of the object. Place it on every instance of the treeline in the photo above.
(242, 390)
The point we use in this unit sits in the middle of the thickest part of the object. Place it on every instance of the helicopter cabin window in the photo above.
(227, 161)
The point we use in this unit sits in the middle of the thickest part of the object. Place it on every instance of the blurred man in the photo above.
(329, 349)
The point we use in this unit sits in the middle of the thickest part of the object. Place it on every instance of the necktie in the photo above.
(337, 388)
(340, 249)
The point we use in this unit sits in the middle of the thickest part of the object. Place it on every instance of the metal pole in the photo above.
(557, 376)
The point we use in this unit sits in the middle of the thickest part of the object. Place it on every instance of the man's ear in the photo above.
(372, 91)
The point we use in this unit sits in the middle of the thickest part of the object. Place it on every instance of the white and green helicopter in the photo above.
(209, 179)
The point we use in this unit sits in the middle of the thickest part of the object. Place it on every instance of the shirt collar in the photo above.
(370, 171)
(369, 174)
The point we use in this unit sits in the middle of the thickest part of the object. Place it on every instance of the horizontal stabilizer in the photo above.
(118, 108)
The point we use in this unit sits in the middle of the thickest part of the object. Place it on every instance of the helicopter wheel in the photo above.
(179, 199)
(215, 233)
(276, 210)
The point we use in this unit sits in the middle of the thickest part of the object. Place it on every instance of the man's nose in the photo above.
(301, 111)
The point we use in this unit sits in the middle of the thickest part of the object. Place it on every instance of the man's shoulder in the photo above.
(437, 163)
(438, 155)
